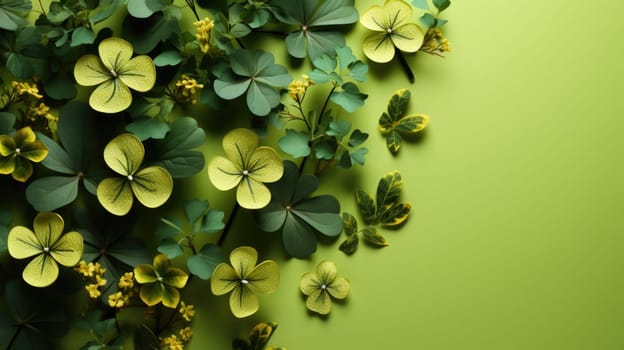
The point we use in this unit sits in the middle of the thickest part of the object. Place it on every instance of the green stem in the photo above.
(191, 4)
(228, 224)
(157, 328)
(42, 8)
(405, 65)
(14, 338)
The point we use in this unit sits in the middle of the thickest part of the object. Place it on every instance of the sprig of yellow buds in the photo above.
(204, 30)
(187, 89)
(297, 88)
(24, 88)
(94, 273)
(435, 43)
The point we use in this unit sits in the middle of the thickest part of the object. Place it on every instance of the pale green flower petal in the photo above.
(152, 186)
(115, 53)
(243, 302)
(124, 154)
(265, 165)
(48, 228)
(319, 301)
(115, 195)
(90, 71)
(224, 174)
(111, 96)
(23, 243)
(243, 259)
(252, 194)
(265, 277)
(339, 288)
(224, 279)
(378, 47)
(67, 251)
(139, 73)
(408, 38)
(239, 144)
(41, 271)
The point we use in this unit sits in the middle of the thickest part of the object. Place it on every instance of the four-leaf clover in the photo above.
(246, 166)
(323, 284)
(244, 278)
(159, 282)
(152, 185)
(115, 72)
(393, 28)
(18, 151)
(48, 245)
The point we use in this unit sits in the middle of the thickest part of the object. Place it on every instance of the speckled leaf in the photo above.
(366, 205)
(371, 236)
(349, 224)
(349, 246)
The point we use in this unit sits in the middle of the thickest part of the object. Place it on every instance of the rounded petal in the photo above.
(23, 243)
(115, 53)
(408, 38)
(24, 136)
(67, 251)
(34, 151)
(23, 170)
(42, 271)
(252, 194)
(48, 228)
(374, 19)
(243, 302)
(378, 47)
(152, 293)
(115, 195)
(124, 154)
(145, 273)
(239, 144)
(224, 279)
(90, 71)
(111, 96)
(175, 277)
(170, 296)
(224, 174)
(319, 302)
(139, 73)
(397, 13)
(265, 165)
(152, 186)
(7, 165)
(326, 272)
(7, 145)
(244, 259)
(309, 283)
(340, 288)
(265, 277)
(161, 264)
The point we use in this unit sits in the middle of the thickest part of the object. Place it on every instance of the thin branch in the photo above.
(405, 65)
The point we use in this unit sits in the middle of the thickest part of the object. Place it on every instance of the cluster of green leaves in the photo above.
(6, 217)
(431, 17)
(259, 336)
(176, 234)
(395, 124)
(386, 210)
(103, 331)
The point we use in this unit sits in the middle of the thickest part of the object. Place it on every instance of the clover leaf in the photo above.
(151, 185)
(322, 285)
(257, 74)
(386, 209)
(247, 167)
(49, 247)
(298, 215)
(369, 234)
(243, 278)
(7, 122)
(114, 72)
(310, 16)
(17, 153)
(77, 133)
(259, 336)
(395, 123)
(159, 282)
(12, 13)
(392, 31)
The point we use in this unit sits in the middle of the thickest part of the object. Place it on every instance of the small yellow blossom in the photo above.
(85, 269)
(126, 280)
(24, 88)
(172, 342)
(100, 281)
(435, 43)
(298, 88)
(186, 334)
(118, 300)
(187, 311)
(204, 29)
(187, 89)
(93, 290)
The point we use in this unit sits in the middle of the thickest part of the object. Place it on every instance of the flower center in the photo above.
(18, 151)
(304, 28)
(245, 172)
(389, 30)
(159, 278)
(288, 207)
(130, 178)
(46, 249)
(323, 286)
(244, 281)
(113, 73)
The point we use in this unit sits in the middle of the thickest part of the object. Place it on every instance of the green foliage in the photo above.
(311, 16)
(295, 143)
(5, 221)
(394, 123)
(298, 215)
(256, 74)
(176, 235)
(231, 28)
(146, 33)
(12, 13)
(259, 336)
(7, 121)
(148, 128)
(431, 19)
(103, 331)
(369, 234)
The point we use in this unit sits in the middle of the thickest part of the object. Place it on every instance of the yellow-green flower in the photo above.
(18, 151)
(187, 311)
(49, 247)
(246, 166)
(118, 300)
(159, 282)
(115, 72)
(393, 28)
(243, 278)
(323, 284)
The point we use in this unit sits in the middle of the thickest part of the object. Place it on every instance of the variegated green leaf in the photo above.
(349, 224)
(393, 141)
(349, 246)
(388, 191)
(367, 207)
(371, 236)
(396, 215)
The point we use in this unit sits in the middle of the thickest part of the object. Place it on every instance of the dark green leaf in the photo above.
(7, 123)
(298, 238)
(194, 209)
(366, 205)
(12, 13)
(145, 339)
(175, 152)
(345, 56)
(349, 246)
(343, 160)
(358, 71)
(295, 143)
(393, 141)
(146, 34)
(105, 9)
(397, 107)
(57, 158)
(421, 4)
(371, 236)
(349, 224)
(339, 128)
(53, 192)
(204, 262)
(144, 8)
(412, 123)
(388, 190)
(357, 138)
(350, 98)
(395, 215)
(170, 247)
(441, 5)
(325, 149)
(167, 58)
(82, 35)
(78, 133)
(358, 156)
(146, 128)
(60, 86)
(5, 222)
(428, 20)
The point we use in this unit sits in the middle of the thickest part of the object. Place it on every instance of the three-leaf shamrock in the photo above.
(151, 185)
(18, 151)
(322, 285)
(257, 74)
(298, 216)
(244, 278)
(395, 123)
(392, 30)
(115, 72)
(246, 167)
(159, 282)
(49, 247)
(310, 15)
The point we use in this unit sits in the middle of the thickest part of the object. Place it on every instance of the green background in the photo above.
(517, 186)
(515, 239)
